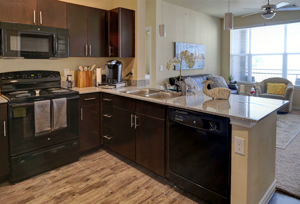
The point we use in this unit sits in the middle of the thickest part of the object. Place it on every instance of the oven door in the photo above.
(22, 128)
(34, 45)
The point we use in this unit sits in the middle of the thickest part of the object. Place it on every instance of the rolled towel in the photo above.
(42, 119)
(59, 117)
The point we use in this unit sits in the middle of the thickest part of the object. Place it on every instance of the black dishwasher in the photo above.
(200, 154)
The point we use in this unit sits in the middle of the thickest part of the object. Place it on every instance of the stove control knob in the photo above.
(39, 76)
(56, 76)
(24, 76)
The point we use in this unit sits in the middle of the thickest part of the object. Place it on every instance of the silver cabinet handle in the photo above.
(81, 114)
(89, 99)
(90, 49)
(131, 122)
(34, 16)
(107, 99)
(85, 50)
(135, 123)
(107, 137)
(4, 128)
(107, 115)
(41, 18)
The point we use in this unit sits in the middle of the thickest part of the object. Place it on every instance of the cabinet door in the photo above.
(150, 143)
(89, 127)
(113, 32)
(4, 168)
(124, 133)
(96, 32)
(52, 13)
(77, 25)
(126, 33)
(18, 11)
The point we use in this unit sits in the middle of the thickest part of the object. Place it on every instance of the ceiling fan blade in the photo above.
(294, 8)
(250, 14)
(282, 4)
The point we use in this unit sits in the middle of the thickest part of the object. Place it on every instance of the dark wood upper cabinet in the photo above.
(87, 31)
(121, 32)
(89, 137)
(18, 11)
(50, 13)
(4, 166)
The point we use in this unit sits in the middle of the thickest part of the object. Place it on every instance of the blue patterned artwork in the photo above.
(198, 50)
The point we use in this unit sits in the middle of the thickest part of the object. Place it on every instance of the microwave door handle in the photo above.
(54, 45)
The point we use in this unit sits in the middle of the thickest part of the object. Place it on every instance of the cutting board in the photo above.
(83, 79)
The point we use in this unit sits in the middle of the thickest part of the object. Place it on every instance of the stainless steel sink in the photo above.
(163, 95)
(152, 93)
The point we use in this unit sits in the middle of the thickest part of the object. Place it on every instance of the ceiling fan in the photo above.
(268, 11)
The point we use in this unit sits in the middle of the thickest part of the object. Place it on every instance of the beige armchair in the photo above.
(289, 92)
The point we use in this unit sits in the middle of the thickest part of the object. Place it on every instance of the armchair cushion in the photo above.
(288, 95)
(276, 88)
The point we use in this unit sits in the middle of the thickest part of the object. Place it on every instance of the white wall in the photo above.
(253, 21)
(185, 25)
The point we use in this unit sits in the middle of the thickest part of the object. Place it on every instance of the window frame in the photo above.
(249, 56)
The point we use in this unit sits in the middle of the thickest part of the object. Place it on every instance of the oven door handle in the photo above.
(19, 105)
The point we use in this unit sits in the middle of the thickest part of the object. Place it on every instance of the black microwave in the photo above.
(33, 42)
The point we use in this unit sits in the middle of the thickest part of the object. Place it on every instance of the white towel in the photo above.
(59, 117)
(42, 119)
(191, 84)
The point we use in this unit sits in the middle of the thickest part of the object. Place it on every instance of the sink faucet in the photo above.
(183, 87)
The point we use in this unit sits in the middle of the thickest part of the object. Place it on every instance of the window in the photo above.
(264, 52)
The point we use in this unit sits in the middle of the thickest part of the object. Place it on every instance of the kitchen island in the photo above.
(253, 119)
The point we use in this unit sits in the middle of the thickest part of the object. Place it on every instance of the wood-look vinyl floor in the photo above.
(101, 177)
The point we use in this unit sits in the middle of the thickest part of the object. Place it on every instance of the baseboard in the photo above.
(268, 195)
(296, 107)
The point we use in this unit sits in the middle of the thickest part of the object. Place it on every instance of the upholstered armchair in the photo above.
(288, 95)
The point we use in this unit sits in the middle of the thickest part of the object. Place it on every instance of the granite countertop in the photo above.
(2, 100)
(245, 108)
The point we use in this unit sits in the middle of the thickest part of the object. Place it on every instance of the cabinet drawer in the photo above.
(3, 111)
(107, 99)
(107, 108)
(151, 109)
(107, 119)
(124, 103)
(86, 99)
(107, 136)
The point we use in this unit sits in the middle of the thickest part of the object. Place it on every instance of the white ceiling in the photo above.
(219, 7)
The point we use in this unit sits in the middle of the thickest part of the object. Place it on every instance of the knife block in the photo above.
(83, 79)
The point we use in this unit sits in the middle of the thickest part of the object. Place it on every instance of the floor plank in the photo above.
(101, 177)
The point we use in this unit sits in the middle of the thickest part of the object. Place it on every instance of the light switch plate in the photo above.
(161, 68)
(239, 146)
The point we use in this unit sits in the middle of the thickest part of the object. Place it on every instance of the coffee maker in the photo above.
(113, 70)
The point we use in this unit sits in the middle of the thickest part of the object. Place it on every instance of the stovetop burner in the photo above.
(18, 92)
(22, 95)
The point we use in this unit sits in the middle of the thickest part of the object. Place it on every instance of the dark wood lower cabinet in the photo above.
(4, 166)
(124, 133)
(150, 143)
(89, 137)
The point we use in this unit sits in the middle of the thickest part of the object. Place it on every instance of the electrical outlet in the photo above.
(132, 71)
(239, 146)
(161, 68)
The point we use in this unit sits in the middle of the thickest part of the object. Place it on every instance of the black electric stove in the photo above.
(32, 153)
(26, 86)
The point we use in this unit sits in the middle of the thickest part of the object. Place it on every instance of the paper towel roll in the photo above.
(99, 75)
(242, 89)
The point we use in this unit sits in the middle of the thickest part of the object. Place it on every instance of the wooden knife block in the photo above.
(83, 79)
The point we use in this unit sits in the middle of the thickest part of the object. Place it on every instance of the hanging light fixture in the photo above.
(228, 19)
(162, 27)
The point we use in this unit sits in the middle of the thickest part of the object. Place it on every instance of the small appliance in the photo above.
(33, 42)
(113, 70)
